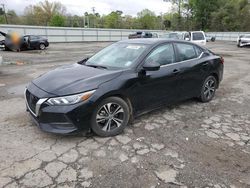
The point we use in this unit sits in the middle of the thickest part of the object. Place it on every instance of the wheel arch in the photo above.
(216, 77)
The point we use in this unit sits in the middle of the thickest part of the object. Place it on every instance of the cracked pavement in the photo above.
(190, 144)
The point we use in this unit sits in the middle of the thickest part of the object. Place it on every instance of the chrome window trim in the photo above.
(183, 61)
(38, 104)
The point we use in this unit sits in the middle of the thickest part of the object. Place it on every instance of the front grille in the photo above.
(31, 101)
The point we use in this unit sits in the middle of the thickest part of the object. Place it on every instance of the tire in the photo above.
(239, 44)
(42, 46)
(105, 122)
(208, 89)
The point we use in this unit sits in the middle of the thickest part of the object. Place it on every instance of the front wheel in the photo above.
(110, 117)
(208, 89)
(42, 46)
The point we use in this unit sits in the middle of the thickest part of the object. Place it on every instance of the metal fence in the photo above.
(226, 36)
(69, 34)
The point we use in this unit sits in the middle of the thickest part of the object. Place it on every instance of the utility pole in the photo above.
(6, 20)
(161, 21)
(93, 10)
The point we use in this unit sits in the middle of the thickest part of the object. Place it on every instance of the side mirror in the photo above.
(187, 39)
(151, 66)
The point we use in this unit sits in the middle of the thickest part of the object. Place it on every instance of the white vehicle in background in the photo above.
(197, 37)
(155, 35)
(243, 40)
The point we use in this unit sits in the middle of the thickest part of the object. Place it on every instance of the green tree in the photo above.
(2, 20)
(42, 13)
(233, 15)
(202, 11)
(57, 20)
(147, 19)
(113, 20)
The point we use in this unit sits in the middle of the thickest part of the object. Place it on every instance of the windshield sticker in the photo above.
(133, 47)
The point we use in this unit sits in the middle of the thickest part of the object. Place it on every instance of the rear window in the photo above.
(185, 51)
(198, 36)
(198, 50)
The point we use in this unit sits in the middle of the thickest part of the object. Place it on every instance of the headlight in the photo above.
(71, 99)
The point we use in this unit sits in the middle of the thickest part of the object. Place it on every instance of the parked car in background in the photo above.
(120, 82)
(174, 35)
(34, 42)
(210, 38)
(197, 37)
(27, 42)
(243, 40)
(140, 34)
(155, 35)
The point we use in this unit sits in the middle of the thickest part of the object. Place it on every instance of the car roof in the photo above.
(151, 41)
(157, 41)
(32, 36)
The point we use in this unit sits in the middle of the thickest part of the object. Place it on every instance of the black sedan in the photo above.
(33, 42)
(28, 42)
(128, 78)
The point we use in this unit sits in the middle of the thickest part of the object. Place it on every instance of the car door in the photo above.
(156, 88)
(192, 69)
(34, 42)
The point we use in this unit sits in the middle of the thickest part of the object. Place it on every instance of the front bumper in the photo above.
(244, 44)
(66, 119)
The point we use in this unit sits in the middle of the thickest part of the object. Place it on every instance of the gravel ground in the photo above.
(190, 144)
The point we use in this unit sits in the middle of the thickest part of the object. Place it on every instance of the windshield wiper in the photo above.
(97, 66)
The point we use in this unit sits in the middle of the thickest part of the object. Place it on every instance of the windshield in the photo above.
(119, 55)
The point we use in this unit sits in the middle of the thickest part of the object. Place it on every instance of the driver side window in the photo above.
(163, 55)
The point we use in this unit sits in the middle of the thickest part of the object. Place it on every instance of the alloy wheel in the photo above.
(42, 46)
(209, 89)
(110, 116)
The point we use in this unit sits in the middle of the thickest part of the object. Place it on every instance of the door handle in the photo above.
(205, 64)
(176, 71)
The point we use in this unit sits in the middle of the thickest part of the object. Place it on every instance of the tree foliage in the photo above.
(208, 15)
(42, 13)
(57, 20)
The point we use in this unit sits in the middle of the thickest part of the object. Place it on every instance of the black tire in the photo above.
(42, 46)
(106, 124)
(239, 44)
(208, 89)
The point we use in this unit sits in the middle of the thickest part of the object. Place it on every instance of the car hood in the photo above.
(76, 78)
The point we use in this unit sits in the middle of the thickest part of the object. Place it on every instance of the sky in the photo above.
(78, 7)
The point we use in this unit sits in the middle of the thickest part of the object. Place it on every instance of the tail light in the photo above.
(222, 60)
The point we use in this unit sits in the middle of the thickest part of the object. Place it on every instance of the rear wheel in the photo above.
(208, 89)
(42, 46)
(110, 117)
